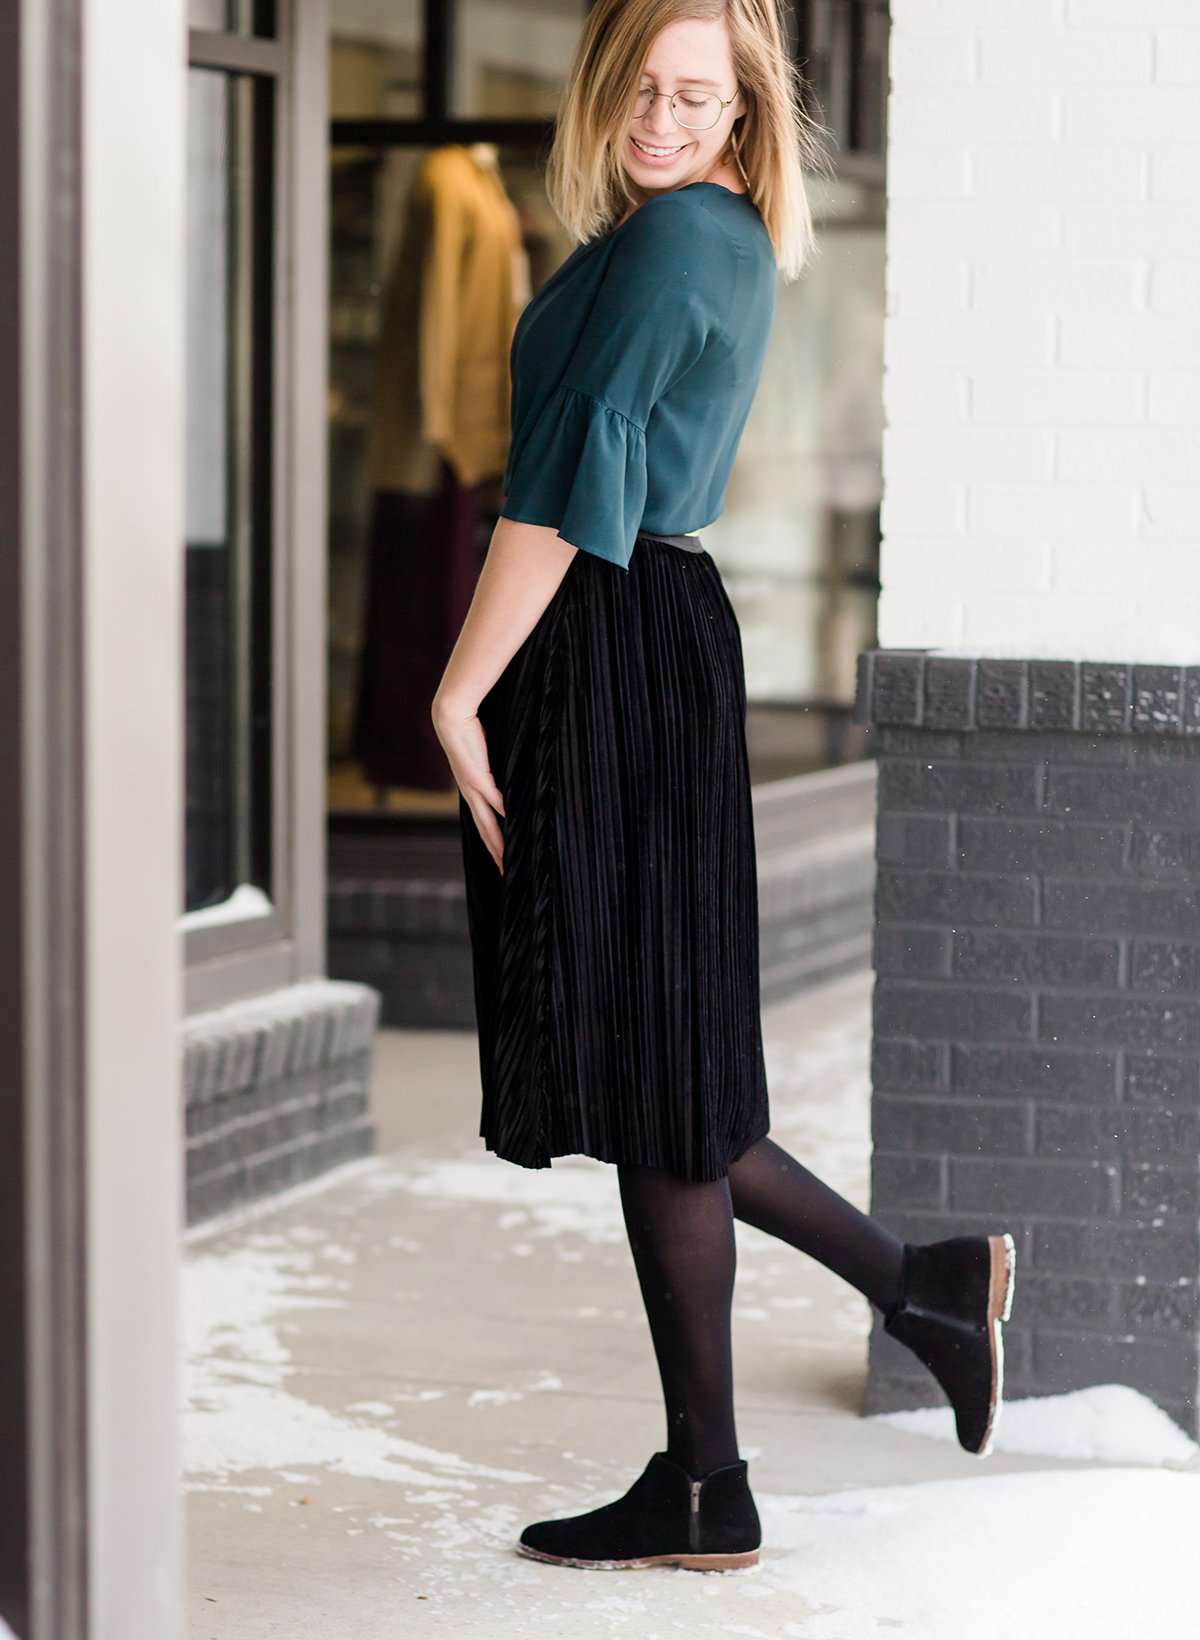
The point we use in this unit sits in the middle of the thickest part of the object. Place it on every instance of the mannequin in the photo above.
(440, 429)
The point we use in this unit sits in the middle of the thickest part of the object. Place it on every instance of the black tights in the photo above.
(682, 1239)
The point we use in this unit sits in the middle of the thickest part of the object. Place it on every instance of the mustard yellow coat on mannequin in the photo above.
(452, 299)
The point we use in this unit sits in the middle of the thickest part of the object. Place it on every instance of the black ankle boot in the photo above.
(666, 1517)
(954, 1295)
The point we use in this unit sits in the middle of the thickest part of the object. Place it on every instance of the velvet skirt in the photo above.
(616, 958)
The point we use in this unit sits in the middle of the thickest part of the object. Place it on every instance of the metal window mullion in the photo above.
(439, 36)
(236, 53)
(282, 513)
(240, 497)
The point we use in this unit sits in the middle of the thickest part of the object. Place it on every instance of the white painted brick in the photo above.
(1101, 554)
(1056, 282)
(970, 339)
(968, 452)
(929, 284)
(1143, 452)
(914, 395)
(1175, 287)
(931, 59)
(920, 227)
(1174, 167)
(922, 507)
(1042, 445)
(988, 113)
(1178, 55)
(1054, 397)
(1020, 57)
(1158, 228)
(994, 508)
(1116, 13)
(931, 16)
(1029, 624)
(1173, 397)
(1144, 114)
(1061, 172)
(1139, 340)
(938, 170)
(908, 563)
(1170, 625)
(1172, 563)
(920, 620)
(1171, 510)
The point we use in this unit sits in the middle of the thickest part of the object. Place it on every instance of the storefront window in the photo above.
(437, 105)
(377, 59)
(410, 520)
(798, 540)
(510, 60)
(229, 474)
(233, 16)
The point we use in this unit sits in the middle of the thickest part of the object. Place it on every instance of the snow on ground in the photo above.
(1097, 1541)
(1098, 1551)
(1102, 1553)
(238, 1414)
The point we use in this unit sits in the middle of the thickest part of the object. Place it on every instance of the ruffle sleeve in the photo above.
(583, 471)
(582, 467)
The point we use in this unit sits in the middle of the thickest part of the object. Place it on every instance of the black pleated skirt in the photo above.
(616, 961)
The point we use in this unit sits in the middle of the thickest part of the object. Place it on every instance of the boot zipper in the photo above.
(694, 1519)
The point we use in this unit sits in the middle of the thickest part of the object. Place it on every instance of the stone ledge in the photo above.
(917, 689)
(276, 1089)
(280, 1034)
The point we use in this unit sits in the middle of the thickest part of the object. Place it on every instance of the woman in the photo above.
(593, 714)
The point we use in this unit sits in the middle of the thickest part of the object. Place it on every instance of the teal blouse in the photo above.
(633, 371)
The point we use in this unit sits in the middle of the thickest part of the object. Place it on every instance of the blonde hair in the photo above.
(778, 140)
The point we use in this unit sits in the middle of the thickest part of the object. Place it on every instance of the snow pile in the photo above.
(1098, 1552)
(1111, 1423)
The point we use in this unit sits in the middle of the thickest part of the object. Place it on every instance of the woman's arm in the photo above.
(520, 575)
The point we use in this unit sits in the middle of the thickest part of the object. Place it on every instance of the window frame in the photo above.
(242, 955)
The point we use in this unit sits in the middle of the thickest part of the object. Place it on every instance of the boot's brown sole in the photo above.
(693, 1563)
(1001, 1284)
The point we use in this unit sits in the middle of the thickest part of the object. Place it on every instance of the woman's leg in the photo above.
(774, 1192)
(681, 1234)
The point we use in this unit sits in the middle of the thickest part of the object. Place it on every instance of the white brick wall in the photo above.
(1042, 343)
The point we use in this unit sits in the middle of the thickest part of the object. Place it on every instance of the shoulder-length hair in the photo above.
(773, 143)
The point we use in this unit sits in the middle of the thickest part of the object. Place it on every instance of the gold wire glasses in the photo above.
(693, 110)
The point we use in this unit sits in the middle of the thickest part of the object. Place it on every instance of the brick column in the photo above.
(1036, 1060)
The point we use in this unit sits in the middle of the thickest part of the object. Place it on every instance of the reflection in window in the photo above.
(511, 57)
(844, 45)
(434, 254)
(255, 17)
(376, 59)
(798, 542)
(228, 521)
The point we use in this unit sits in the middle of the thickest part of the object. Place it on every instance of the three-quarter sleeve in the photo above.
(582, 466)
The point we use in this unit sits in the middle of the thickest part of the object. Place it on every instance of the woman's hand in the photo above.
(524, 565)
(465, 746)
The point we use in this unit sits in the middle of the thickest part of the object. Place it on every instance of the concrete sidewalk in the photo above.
(393, 1369)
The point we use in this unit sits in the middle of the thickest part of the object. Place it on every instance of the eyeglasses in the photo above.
(694, 110)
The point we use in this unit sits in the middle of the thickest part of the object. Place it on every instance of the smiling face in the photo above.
(690, 55)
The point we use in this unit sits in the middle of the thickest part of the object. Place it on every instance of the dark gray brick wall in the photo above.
(1036, 1048)
(397, 914)
(276, 1090)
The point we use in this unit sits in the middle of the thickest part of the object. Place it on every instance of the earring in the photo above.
(735, 145)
